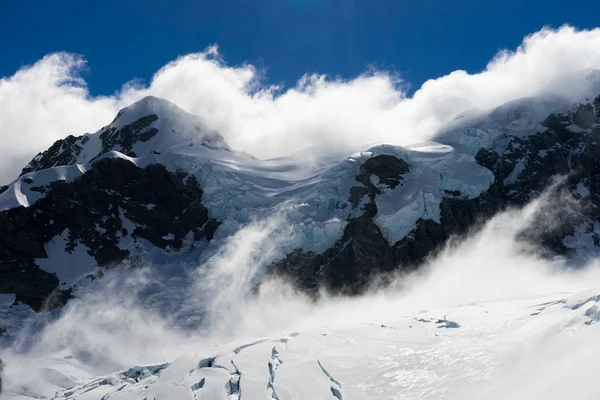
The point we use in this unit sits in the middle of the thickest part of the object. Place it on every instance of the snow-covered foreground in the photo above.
(485, 319)
(539, 347)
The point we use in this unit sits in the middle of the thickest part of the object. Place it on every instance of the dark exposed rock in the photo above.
(388, 169)
(31, 285)
(488, 158)
(584, 116)
(356, 195)
(66, 151)
(39, 189)
(62, 152)
(163, 206)
(454, 193)
(125, 138)
(348, 265)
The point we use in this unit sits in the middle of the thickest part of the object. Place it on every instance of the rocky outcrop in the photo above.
(62, 152)
(125, 138)
(67, 151)
(112, 201)
(386, 168)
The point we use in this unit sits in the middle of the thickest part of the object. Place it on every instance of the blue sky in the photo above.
(127, 39)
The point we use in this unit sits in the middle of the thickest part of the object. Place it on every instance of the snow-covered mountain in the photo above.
(156, 180)
(157, 188)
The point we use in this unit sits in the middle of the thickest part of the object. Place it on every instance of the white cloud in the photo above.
(42, 103)
(48, 100)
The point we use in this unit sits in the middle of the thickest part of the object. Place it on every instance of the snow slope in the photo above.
(511, 349)
(478, 129)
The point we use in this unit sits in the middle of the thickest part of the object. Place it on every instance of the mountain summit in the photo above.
(148, 126)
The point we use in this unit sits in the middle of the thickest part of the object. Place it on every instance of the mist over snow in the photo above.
(48, 100)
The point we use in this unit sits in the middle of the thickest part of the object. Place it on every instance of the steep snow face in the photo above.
(435, 171)
(316, 200)
(172, 128)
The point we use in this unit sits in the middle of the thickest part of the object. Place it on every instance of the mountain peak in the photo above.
(146, 106)
(151, 125)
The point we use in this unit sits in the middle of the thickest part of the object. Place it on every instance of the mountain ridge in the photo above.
(378, 211)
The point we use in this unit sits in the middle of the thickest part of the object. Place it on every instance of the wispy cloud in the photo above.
(48, 100)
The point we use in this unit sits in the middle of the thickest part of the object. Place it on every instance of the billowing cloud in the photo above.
(42, 103)
(48, 100)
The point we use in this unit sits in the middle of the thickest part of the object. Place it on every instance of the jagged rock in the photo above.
(163, 206)
(133, 125)
(125, 138)
(387, 168)
(62, 152)
(67, 151)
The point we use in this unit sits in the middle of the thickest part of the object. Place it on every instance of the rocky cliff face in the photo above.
(106, 209)
(112, 202)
